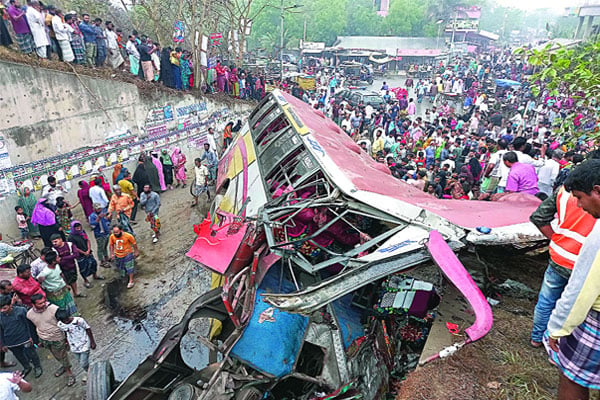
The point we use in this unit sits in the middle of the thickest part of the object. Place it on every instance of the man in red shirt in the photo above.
(25, 286)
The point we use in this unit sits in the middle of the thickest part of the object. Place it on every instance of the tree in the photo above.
(573, 72)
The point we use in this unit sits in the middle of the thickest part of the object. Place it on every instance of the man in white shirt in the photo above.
(346, 124)
(210, 137)
(52, 191)
(518, 145)
(98, 195)
(450, 163)
(63, 36)
(201, 180)
(496, 170)
(369, 110)
(114, 55)
(548, 173)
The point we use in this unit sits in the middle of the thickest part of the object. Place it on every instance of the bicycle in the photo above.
(27, 256)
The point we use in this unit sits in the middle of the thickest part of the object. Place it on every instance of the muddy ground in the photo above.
(166, 283)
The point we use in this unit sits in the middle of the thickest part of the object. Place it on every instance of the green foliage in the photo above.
(328, 19)
(573, 72)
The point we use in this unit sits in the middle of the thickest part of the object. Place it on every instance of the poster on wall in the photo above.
(179, 32)
(4, 157)
(193, 121)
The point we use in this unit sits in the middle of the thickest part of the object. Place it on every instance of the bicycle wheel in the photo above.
(35, 253)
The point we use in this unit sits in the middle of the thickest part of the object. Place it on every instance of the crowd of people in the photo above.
(482, 133)
(471, 139)
(38, 307)
(49, 32)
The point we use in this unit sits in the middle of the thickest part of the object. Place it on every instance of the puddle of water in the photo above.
(136, 342)
(140, 330)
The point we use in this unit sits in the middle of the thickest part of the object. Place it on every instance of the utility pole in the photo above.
(281, 46)
(304, 36)
(451, 55)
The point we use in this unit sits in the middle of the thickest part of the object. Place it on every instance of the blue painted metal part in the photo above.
(348, 317)
(272, 347)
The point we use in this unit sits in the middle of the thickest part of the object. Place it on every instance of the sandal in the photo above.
(59, 372)
(71, 380)
(82, 295)
(87, 284)
(535, 345)
(99, 278)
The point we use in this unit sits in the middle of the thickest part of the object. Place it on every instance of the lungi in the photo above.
(579, 353)
(25, 42)
(67, 52)
(115, 60)
(148, 70)
(154, 222)
(134, 65)
(87, 266)
(78, 49)
(126, 264)
(63, 299)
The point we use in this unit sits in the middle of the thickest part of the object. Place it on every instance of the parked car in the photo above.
(356, 97)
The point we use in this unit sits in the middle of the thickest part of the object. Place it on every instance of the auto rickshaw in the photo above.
(356, 73)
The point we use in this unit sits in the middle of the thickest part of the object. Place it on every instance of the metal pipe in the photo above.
(281, 47)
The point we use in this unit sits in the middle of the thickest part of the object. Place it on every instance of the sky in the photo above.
(534, 4)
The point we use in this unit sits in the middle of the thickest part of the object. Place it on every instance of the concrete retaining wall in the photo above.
(49, 112)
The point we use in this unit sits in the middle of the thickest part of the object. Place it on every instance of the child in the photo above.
(6, 289)
(22, 220)
(79, 337)
(63, 214)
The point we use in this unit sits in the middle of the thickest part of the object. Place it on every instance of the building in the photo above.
(382, 7)
(398, 50)
(589, 10)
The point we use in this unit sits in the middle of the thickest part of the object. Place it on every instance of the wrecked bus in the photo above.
(311, 244)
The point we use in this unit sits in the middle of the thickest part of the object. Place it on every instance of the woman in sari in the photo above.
(220, 76)
(179, 165)
(235, 85)
(84, 198)
(159, 169)
(116, 171)
(27, 202)
(186, 71)
(167, 166)
(45, 219)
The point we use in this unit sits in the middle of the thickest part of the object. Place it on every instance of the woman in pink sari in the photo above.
(179, 160)
(84, 198)
(221, 80)
(161, 175)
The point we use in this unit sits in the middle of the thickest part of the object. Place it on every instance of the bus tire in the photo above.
(100, 381)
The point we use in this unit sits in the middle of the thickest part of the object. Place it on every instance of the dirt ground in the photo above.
(166, 283)
(502, 365)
